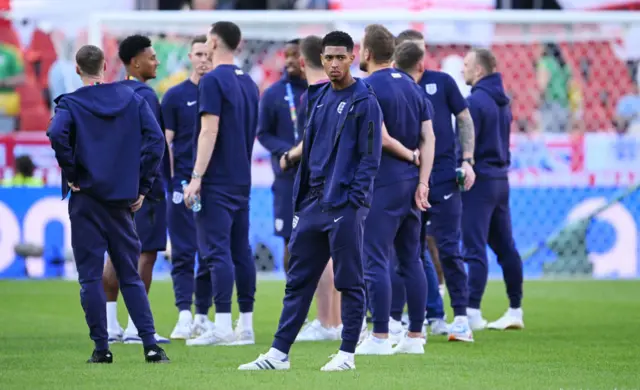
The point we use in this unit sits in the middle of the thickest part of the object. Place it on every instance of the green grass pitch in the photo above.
(579, 335)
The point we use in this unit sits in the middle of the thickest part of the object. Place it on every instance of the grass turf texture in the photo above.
(579, 335)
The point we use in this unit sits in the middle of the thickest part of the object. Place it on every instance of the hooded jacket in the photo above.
(491, 113)
(107, 142)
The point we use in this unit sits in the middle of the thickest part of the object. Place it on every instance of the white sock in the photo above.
(112, 316)
(473, 312)
(200, 318)
(223, 321)
(277, 355)
(348, 355)
(246, 321)
(131, 326)
(461, 319)
(517, 313)
(184, 316)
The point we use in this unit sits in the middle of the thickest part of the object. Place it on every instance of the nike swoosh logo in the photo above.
(337, 219)
(191, 103)
(448, 196)
(320, 105)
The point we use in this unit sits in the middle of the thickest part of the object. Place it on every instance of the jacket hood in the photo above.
(105, 100)
(493, 86)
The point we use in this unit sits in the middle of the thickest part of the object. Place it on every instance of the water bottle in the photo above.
(197, 206)
(460, 175)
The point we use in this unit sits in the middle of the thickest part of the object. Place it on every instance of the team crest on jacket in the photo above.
(431, 88)
(295, 221)
(279, 224)
(341, 107)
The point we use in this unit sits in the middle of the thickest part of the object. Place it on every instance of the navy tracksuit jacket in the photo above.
(486, 217)
(108, 143)
(332, 193)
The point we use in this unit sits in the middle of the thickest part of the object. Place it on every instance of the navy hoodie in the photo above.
(353, 153)
(164, 170)
(276, 130)
(491, 113)
(107, 142)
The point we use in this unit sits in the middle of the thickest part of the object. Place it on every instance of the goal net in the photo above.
(572, 78)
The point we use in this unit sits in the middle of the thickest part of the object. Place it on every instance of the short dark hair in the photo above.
(199, 39)
(229, 32)
(131, 46)
(311, 49)
(90, 60)
(486, 59)
(25, 166)
(295, 41)
(338, 38)
(409, 35)
(380, 42)
(407, 55)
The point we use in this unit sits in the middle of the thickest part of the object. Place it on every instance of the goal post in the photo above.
(566, 73)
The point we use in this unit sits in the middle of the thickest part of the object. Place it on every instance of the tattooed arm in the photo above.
(466, 133)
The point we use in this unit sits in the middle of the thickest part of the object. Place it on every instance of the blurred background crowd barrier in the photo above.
(571, 72)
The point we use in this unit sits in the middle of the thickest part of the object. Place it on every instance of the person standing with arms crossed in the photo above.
(91, 126)
(139, 58)
(180, 112)
(486, 216)
(278, 132)
(228, 113)
(332, 195)
(328, 325)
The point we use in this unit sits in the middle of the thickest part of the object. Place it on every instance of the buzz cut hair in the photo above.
(408, 55)
(311, 49)
(131, 46)
(409, 35)
(380, 41)
(338, 39)
(228, 32)
(295, 41)
(90, 60)
(486, 59)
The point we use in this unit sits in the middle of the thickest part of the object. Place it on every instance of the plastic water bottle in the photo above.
(196, 206)
(460, 176)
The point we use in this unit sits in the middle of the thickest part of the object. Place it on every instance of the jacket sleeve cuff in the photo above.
(144, 190)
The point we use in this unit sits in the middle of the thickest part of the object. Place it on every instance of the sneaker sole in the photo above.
(243, 342)
(454, 338)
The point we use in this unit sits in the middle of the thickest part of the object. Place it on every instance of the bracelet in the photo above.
(195, 175)
(287, 159)
(426, 185)
(413, 157)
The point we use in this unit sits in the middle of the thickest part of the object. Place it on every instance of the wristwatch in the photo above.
(470, 160)
(195, 175)
(287, 159)
(414, 156)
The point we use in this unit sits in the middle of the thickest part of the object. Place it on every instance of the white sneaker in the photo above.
(214, 336)
(133, 338)
(512, 319)
(244, 336)
(476, 322)
(182, 330)
(314, 331)
(396, 331)
(339, 362)
(375, 346)
(439, 327)
(264, 362)
(442, 290)
(201, 324)
(460, 330)
(411, 345)
(115, 335)
(364, 332)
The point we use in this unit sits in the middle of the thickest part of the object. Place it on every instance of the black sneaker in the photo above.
(155, 354)
(101, 357)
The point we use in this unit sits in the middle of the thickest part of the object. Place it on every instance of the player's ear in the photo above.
(78, 71)
(393, 64)
(421, 67)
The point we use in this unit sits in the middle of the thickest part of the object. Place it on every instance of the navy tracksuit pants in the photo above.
(151, 225)
(316, 236)
(394, 223)
(97, 228)
(282, 189)
(487, 220)
(435, 306)
(223, 242)
(444, 220)
(182, 231)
